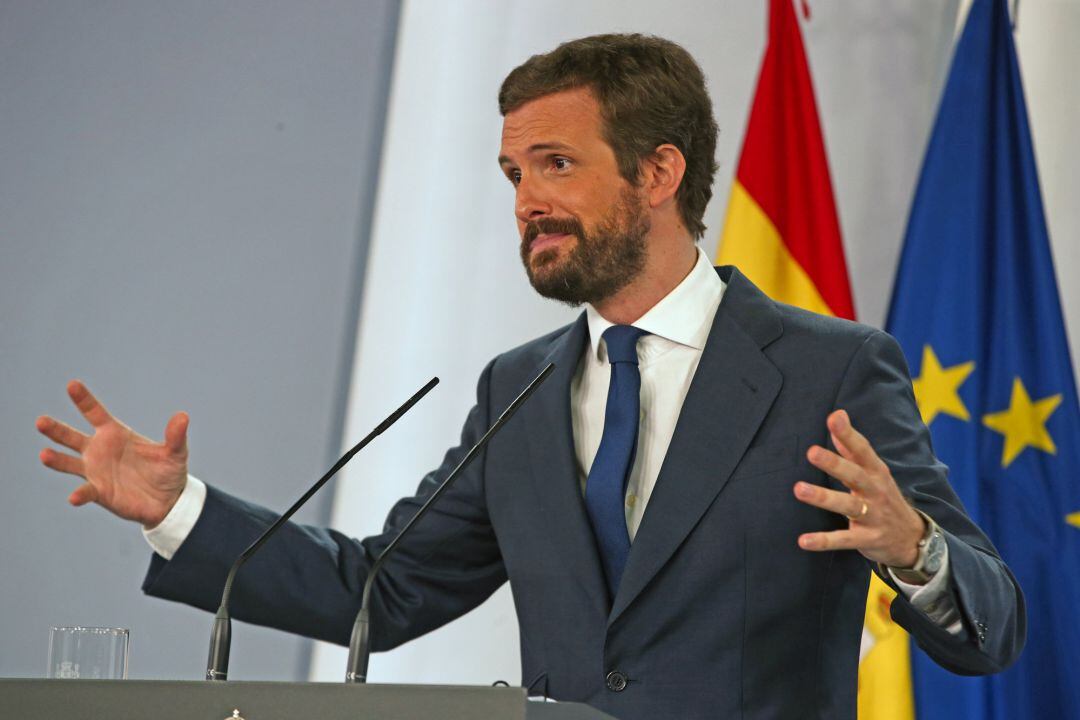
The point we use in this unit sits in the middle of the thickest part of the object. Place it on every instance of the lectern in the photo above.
(201, 700)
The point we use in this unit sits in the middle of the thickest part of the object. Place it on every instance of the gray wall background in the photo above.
(185, 196)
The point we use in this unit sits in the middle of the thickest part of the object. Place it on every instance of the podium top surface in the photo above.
(202, 700)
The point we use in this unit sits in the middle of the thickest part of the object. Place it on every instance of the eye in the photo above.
(561, 163)
(514, 176)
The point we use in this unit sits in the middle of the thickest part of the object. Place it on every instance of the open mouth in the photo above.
(546, 240)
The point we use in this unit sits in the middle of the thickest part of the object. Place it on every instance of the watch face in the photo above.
(935, 551)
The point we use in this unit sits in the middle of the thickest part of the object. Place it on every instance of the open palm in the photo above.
(124, 472)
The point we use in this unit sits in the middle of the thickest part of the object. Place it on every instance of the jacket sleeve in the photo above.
(877, 393)
(308, 580)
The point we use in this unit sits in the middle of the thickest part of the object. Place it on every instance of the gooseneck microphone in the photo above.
(359, 644)
(217, 666)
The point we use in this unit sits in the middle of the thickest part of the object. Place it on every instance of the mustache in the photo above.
(552, 226)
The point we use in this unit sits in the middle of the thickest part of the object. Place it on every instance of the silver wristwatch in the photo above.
(931, 552)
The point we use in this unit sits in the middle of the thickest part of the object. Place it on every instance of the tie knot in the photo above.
(621, 343)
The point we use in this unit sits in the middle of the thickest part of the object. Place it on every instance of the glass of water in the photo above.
(96, 653)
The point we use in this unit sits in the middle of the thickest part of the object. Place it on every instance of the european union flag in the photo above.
(976, 309)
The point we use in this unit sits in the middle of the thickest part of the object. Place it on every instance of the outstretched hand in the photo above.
(127, 474)
(881, 524)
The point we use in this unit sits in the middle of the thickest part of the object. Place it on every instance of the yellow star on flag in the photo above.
(1073, 519)
(937, 388)
(1024, 423)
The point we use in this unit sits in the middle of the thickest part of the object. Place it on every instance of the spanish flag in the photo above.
(782, 231)
(781, 228)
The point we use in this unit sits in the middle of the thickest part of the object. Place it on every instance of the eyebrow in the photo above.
(539, 147)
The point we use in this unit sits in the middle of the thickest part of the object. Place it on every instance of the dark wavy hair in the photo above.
(650, 92)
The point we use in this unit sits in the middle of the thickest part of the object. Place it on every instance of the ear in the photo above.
(663, 173)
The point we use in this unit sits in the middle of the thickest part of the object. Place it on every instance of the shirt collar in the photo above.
(683, 316)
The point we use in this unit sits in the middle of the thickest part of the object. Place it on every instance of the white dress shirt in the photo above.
(668, 356)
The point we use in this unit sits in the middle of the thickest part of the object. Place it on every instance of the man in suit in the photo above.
(685, 511)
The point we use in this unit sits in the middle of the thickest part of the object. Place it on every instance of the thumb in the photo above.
(176, 433)
(83, 494)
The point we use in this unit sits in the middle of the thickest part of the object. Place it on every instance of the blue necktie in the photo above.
(605, 490)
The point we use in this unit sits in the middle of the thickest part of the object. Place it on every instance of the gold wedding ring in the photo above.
(862, 512)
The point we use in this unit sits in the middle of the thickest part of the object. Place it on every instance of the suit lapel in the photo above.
(731, 393)
(555, 470)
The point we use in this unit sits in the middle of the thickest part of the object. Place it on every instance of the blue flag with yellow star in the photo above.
(976, 310)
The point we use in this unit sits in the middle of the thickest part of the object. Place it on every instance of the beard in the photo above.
(604, 260)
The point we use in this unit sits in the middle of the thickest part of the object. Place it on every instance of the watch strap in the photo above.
(917, 574)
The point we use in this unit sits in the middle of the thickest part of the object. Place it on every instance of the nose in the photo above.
(531, 200)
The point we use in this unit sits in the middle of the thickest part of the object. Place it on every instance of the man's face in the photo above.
(583, 227)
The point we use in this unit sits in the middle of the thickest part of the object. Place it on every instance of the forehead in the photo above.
(570, 117)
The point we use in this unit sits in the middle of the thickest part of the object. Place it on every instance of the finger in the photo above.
(854, 444)
(842, 448)
(61, 433)
(176, 433)
(842, 503)
(88, 405)
(62, 462)
(83, 494)
(827, 541)
(851, 475)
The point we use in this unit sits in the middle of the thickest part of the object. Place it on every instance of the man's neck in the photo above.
(663, 274)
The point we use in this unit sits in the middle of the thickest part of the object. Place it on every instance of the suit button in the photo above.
(615, 681)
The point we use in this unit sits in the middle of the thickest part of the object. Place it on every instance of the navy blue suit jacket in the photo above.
(719, 614)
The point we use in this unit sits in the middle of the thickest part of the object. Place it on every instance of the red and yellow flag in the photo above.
(782, 231)
(781, 228)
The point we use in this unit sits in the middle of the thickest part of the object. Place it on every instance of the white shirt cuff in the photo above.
(935, 598)
(167, 537)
